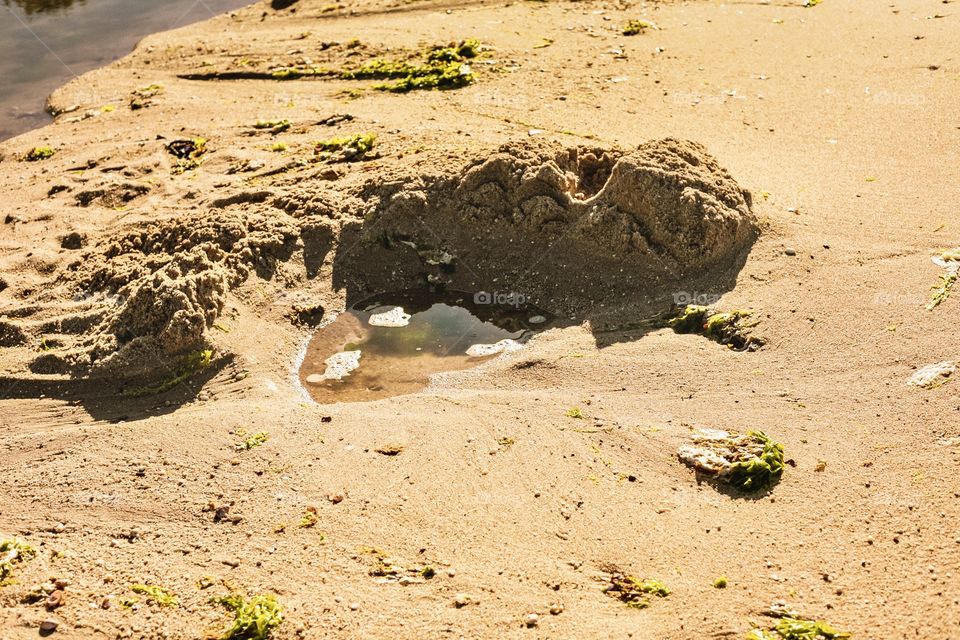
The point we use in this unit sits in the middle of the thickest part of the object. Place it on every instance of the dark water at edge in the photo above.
(45, 43)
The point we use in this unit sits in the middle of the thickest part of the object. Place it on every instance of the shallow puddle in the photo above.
(391, 344)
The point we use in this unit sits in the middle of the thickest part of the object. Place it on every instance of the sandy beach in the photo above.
(199, 208)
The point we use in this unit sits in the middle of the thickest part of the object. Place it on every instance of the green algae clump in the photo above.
(796, 629)
(353, 147)
(158, 595)
(444, 68)
(12, 553)
(636, 27)
(633, 592)
(188, 365)
(254, 618)
(732, 328)
(39, 153)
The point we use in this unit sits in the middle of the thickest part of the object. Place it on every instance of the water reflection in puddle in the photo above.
(391, 344)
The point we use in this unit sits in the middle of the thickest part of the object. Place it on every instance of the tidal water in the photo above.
(45, 43)
(391, 344)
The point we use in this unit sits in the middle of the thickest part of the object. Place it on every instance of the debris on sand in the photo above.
(391, 449)
(143, 97)
(157, 595)
(388, 570)
(395, 317)
(797, 629)
(633, 592)
(255, 618)
(749, 462)
(933, 375)
(950, 261)
(188, 154)
(732, 328)
(12, 553)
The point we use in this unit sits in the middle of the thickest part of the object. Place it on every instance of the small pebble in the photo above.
(531, 620)
(556, 609)
(354, 606)
(790, 251)
(48, 626)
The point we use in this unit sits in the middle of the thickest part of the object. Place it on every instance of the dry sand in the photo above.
(800, 162)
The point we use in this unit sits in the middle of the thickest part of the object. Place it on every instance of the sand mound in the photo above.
(587, 232)
(167, 283)
(571, 229)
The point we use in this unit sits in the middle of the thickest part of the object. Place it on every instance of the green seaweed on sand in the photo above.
(574, 412)
(636, 27)
(255, 618)
(310, 518)
(797, 629)
(274, 126)
(39, 153)
(251, 442)
(633, 592)
(158, 595)
(749, 462)
(941, 290)
(446, 67)
(354, 147)
(183, 371)
(731, 328)
(12, 553)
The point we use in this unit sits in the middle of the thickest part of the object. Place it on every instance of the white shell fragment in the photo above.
(339, 365)
(396, 317)
(949, 260)
(537, 320)
(504, 346)
(932, 375)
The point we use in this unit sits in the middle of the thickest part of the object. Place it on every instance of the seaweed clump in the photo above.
(749, 462)
(13, 553)
(445, 68)
(39, 153)
(254, 618)
(732, 328)
(250, 442)
(158, 595)
(950, 261)
(185, 369)
(354, 147)
(797, 629)
(633, 592)
(636, 27)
